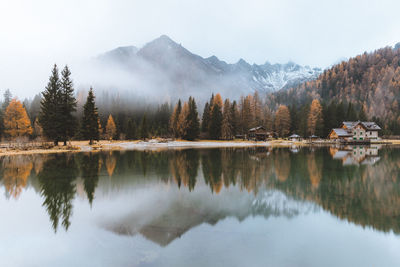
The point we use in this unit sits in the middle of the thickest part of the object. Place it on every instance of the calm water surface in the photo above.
(202, 207)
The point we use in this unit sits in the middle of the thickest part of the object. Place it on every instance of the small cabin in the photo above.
(258, 134)
(294, 137)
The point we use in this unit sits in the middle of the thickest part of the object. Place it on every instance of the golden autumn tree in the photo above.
(111, 129)
(16, 121)
(282, 121)
(315, 122)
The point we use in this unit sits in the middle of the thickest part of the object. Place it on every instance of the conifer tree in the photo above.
(16, 120)
(90, 120)
(131, 132)
(175, 118)
(193, 123)
(235, 118)
(227, 128)
(205, 123)
(182, 121)
(50, 108)
(216, 118)
(7, 99)
(111, 129)
(315, 122)
(282, 121)
(144, 132)
(68, 107)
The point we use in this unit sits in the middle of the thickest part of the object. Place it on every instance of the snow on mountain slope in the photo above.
(166, 65)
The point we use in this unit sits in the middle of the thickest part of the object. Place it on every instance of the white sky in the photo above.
(36, 34)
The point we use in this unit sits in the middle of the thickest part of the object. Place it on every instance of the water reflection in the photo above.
(243, 182)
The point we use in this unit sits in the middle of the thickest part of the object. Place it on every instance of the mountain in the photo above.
(370, 82)
(164, 65)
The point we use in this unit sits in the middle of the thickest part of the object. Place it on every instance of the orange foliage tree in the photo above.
(111, 129)
(16, 121)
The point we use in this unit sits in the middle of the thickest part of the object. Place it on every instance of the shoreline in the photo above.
(83, 146)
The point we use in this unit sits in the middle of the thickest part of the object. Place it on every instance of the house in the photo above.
(258, 134)
(362, 130)
(340, 134)
(356, 131)
(294, 137)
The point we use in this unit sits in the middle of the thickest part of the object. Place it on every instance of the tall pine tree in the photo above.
(50, 108)
(193, 123)
(68, 106)
(90, 120)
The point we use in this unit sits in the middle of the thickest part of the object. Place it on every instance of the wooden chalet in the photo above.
(258, 134)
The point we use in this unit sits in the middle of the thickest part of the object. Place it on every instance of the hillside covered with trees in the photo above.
(364, 87)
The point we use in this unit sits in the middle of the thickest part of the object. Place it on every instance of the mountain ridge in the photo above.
(165, 62)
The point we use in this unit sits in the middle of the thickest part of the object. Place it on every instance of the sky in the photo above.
(36, 34)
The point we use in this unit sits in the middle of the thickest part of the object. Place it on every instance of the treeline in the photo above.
(56, 115)
(370, 82)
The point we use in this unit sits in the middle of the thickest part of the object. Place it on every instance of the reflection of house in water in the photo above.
(356, 155)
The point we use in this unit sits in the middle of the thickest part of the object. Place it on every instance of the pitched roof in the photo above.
(257, 128)
(342, 132)
(368, 125)
(371, 126)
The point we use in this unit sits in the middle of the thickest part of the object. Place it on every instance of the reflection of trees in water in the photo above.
(366, 195)
(184, 167)
(89, 165)
(16, 170)
(57, 188)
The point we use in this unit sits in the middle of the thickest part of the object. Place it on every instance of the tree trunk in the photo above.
(90, 142)
(56, 142)
(65, 142)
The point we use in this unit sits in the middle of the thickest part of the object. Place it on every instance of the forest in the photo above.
(369, 82)
(366, 87)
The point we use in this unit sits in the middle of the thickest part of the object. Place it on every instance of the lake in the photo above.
(202, 207)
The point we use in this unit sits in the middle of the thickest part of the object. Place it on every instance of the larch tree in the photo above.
(67, 119)
(111, 129)
(216, 118)
(182, 121)
(175, 118)
(16, 120)
(315, 122)
(90, 120)
(282, 121)
(50, 108)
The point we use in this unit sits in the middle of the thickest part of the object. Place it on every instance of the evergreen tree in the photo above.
(235, 118)
(144, 132)
(216, 118)
(193, 123)
(90, 121)
(205, 121)
(362, 116)
(227, 128)
(50, 108)
(68, 106)
(351, 114)
(7, 99)
(131, 132)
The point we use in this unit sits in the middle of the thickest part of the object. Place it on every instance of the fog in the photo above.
(37, 34)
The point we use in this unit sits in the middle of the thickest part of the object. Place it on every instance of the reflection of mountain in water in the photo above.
(181, 211)
(185, 188)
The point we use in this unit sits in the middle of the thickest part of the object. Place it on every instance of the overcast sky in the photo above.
(36, 34)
